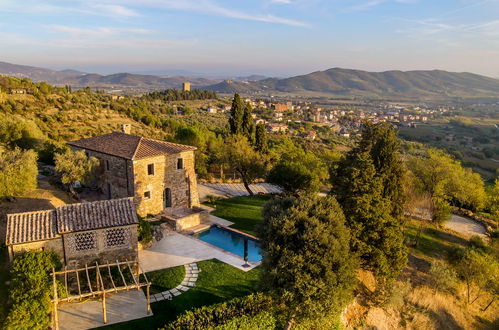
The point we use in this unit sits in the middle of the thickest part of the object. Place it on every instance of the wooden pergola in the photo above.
(127, 279)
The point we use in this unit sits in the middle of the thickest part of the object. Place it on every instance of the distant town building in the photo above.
(276, 128)
(280, 107)
(186, 86)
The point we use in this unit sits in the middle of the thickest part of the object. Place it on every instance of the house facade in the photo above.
(102, 231)
(159, 175)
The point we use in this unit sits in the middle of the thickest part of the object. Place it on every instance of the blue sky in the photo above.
(271, 37)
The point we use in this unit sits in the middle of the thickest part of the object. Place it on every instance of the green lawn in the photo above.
(244, 211)
(166, 279)
(217, 282)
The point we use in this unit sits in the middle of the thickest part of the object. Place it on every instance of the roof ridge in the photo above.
(137, 147)
(31, 212)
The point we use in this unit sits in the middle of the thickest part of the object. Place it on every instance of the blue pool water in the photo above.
(231, 241)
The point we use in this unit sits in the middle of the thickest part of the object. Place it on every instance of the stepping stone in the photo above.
(194, 275)
(167, 295)
(159, 298)
(153, 298)
(175, 292)
(184, 282)
(191, 284)
(183, 288)
(193, 265)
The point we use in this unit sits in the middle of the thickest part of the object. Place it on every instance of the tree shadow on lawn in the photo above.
(435, 243)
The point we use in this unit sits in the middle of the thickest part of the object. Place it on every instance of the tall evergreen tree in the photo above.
(248, 126)
(362, 186)
(307, 263)
(261, 139)
(236, 115)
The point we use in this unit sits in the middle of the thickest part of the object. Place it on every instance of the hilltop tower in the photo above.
(186, 86)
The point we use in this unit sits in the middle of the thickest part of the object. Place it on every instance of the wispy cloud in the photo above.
(374, 3)
(100, 32)
(209, 7)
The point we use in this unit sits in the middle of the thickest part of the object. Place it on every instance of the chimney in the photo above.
(126, 128)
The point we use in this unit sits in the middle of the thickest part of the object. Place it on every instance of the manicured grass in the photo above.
(217, 282)
(166, 279)
(245, 212)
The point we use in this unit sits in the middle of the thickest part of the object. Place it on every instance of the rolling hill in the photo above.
(345, 82)
(81, 79)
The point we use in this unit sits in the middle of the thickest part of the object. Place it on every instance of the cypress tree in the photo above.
(261, 139)
(247, 125)
(368, 186)
(236, 115)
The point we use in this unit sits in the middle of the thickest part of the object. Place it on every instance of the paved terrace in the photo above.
(235, 189)
(176, 250)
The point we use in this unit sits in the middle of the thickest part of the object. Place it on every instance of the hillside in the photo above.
(397, 84)
(81, 79)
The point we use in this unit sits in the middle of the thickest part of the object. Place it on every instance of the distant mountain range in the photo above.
(333, 82)
(400, 84)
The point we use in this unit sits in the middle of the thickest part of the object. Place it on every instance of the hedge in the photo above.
(211, 316)
(262, 321)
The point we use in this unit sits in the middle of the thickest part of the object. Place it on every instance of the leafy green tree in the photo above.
(446, 180)
(493, 199)
(307, 263)
(360, 185)
(50, 149)
(75, 166)
(246, 161)
(236, 115)
(297, 169)
(19, 132)
(261, 139)
(18, 171)
(247, 125)
(443, 277)
(479, 271)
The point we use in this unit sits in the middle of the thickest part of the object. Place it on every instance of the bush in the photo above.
(31, 288)
(442, 213)
(219, 314)
(144, 231)
(476, 242)
(443, 277)
(212, 199)
(262, 321)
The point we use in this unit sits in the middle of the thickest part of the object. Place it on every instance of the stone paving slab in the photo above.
(177, 250)
(237, 189)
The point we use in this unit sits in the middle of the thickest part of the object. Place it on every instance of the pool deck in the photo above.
(178, 249)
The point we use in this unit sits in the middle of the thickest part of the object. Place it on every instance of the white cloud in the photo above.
(100, 32)
(374, 3)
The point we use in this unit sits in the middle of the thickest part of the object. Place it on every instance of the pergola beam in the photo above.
(101, 289)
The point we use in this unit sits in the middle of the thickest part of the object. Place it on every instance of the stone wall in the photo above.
(113, 172)
(181, 182)
(53, 244)
(103, 245)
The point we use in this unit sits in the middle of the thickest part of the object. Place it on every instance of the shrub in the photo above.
(442, 213)
(144, 231)
(18, 171)
(443, 277)
(212, 199)
(262, 321)
(219, 314)
(476, 242)
(31, 288)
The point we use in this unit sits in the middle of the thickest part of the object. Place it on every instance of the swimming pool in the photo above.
(231, 241)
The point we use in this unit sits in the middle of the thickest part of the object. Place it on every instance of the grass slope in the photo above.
(245, 212)
(217, 282)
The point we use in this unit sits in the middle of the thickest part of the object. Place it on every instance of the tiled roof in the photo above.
(96, 215)
(129, 146)
(30, 227)
(44, 225)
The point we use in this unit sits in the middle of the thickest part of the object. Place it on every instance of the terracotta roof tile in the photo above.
(30, 227)
(43, 225)
(96, 215)
(129, 146)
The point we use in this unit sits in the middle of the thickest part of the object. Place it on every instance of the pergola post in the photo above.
(148, 300)
(104, 314)
(54, 312)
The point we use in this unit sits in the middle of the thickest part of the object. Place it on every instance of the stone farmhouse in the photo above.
(159, 175)
(102, 231)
